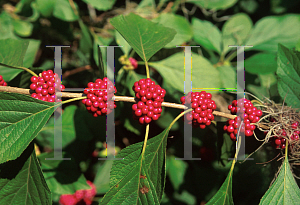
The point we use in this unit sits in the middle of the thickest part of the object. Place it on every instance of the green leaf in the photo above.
(22, 28)
(266, 80)
(22, 181)
(261, 63)
(6, 27)
(297, 46)
(62, 176)
(21, 119)
(249, 6)
(144, 36)
(31, 52)
(228, 78)
(100, 41)
(284, 190)
(72, 128)
(63, 10)
(122, 42)
(28, 60)
(216, 4)
(224, 194)
(271, 30)
(101, 180)
(130, 127)
(13, 51)
(129, 176)
(35, 13)
(179, 24)
(21, 4)
(236, 30)
(288, 72)
(102, 5)
(176, 169)
(207, 34)
(204, 75)
(85, 43)
(45, 7)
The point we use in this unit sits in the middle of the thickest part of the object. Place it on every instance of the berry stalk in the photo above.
(22, 68)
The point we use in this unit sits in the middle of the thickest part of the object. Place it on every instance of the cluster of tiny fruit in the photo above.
(44, 86)
(279, 141)
(203, 106)
(251, 115)
(79, 197)
(133, 62)
(150, 97)
(128, 63)
(2, 82)
(98, 94)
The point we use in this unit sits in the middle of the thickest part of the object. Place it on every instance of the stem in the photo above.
(286, 148)
(179, 116)
(222, 57)
(231, 56)
(141, 63)
(235, 156)
(76, 70)
(132, 53)
(116, 98)
(147, 69)
(145, 141)
(22, 68)
(74, 99)
(73, 7)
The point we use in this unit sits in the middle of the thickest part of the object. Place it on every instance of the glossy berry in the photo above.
(203, 106)
(251, 115)
(133, 62)
(44, 86)
(279, 141)
(150, 97)
(2, 82)
(98, 94)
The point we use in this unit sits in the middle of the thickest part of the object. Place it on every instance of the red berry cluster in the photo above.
(133, 62)
(44, 86)
(150, 97)
(2, 82)
(279, 141)
(251, 115)
(202, 105)
(97, 94)
(79, 197)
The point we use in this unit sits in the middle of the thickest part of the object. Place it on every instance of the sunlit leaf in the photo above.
(21, 119)
(144, 36)
(137, 181)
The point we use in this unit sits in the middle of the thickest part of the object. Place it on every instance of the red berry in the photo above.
(133, 62)
(278, 142)
(259, 113)
(33, 86)
(230, 128)
(34, 79)
(134, 107)
(138, 112)
(248, 133)
(142, 120)
(90, 85)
